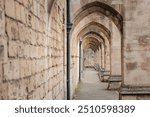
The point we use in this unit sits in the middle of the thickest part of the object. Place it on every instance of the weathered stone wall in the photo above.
(31, 52)
(137, 43)
(33, 46)
(136, 76)
(57, 47)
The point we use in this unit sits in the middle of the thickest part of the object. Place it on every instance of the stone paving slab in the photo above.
(90, 88)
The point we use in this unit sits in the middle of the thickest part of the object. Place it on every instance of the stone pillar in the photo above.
(115, 75)
(99, 56)
(106, 74)
(82, 61)
(103, 56)
(107, 58)
(136, 69)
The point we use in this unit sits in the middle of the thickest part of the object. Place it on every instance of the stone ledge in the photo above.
(115, 78)
(135, 91)
(114, 82)
(106, 73)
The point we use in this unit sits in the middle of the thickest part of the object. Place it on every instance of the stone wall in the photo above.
(136, 70)
(31, 49)
(33, 45)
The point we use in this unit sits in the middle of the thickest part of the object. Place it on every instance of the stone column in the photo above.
(136, 69)
(106, 73)
(99, 56)
(115, 75)
(103, 56)
(82, 61)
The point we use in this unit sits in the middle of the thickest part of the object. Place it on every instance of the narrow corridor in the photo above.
(46, 44)
(90, 88)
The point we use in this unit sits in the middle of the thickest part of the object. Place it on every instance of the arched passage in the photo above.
(105, 25)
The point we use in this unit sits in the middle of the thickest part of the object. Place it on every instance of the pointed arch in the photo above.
(103, 8)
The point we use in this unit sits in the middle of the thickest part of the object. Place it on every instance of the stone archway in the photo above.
(87, 19)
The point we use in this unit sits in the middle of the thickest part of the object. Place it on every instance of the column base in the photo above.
(114, 82)
(134, 93)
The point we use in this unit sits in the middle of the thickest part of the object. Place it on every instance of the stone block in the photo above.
(35, 23)
(26, 71)
(11, 70)
(22, 91)
(23, 14)
(3, 91)
(2, 22)
(46, 87)
(128, 97)
(18, 11)
(37, 66)
(32, 49)
(114, 82)
(57, 90)
(143, 97)
(28, 35)
(33, 38)
(42, 13)
(50, 84)
(26, 51)
(21, 50)
(22, 64)
(13, 49)
(22, 32)
(38, 78)
(1, 73)
(36, 55)
(31, 84)
(61, 84)
(30, 5)
(35, 5)
(60, 96)
(49, 62)
(28, 67)
(33, 67)
(2, 4)
(10, 8)
(3, 49)
(48, 96)
(12, 29)
(13, 90)
(40, 92)
(33, 20)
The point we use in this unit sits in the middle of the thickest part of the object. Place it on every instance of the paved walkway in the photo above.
(90, 88)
